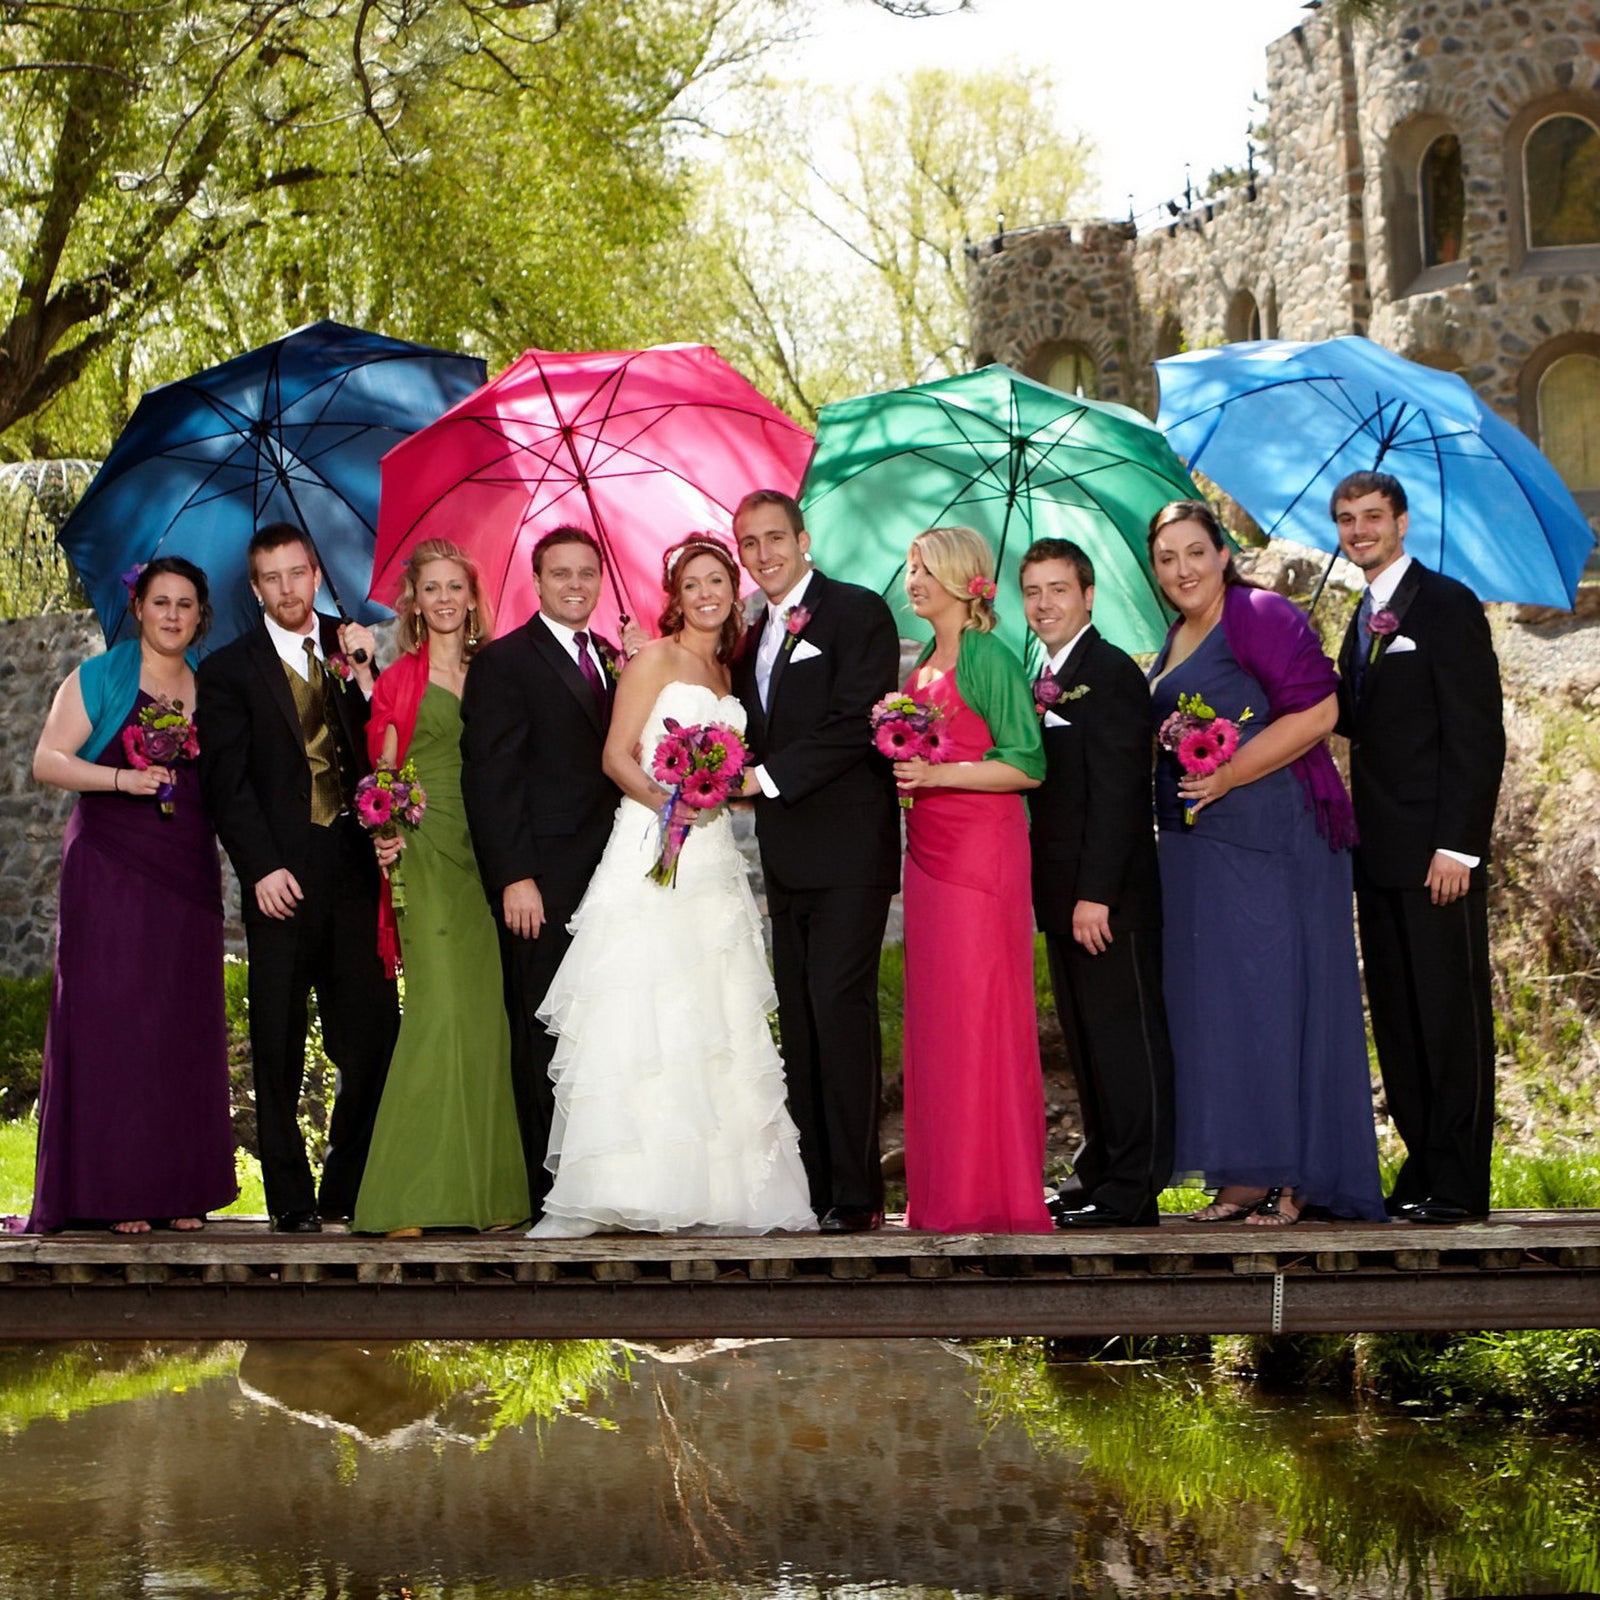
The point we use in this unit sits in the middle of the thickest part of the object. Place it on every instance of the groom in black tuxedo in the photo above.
(282, 713)
(534, 717)
(1097, 896)
(1419, 699)
(809, 673)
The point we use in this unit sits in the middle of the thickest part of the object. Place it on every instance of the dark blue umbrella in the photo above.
(1278, 424)
(291, 432)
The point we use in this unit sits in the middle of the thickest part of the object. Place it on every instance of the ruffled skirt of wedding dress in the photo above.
(669, 1092)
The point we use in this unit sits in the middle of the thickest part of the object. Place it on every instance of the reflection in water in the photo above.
(770, 1469)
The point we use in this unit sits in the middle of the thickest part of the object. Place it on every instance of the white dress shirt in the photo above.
(1059, 659)
(291, 647)
(567, 638)
(772, 637)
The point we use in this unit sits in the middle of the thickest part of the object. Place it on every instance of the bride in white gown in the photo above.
(669, 1093)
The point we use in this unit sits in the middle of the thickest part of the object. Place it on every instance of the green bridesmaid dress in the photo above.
(446, 1152)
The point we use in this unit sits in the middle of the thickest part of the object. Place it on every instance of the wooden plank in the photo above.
(963, 1305)
(253, 1243)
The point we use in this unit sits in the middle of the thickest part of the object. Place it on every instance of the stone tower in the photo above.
(1432, 182)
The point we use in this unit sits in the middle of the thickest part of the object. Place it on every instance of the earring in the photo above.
(472, 627)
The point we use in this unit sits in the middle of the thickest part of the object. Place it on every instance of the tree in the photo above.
(852, 274)
(182, 178)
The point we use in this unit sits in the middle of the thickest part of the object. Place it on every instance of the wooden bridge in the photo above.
(238, 1280)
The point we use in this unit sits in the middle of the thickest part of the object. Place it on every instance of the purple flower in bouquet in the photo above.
(703, 766)
(1200, 739)
(162, 737)
(389, 799)
(904, 729)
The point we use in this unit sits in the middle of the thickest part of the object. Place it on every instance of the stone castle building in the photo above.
(1431, 181)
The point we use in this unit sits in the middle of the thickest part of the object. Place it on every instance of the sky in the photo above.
(1148, 110)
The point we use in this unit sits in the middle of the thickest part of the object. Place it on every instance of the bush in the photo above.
(24, 1011)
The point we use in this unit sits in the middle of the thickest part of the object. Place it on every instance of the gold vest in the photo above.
(322, 749)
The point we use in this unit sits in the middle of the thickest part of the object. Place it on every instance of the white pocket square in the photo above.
(1051, 720)
(804, 650)
(1398, 645)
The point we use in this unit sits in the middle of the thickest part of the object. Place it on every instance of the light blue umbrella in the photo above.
(1278, 424)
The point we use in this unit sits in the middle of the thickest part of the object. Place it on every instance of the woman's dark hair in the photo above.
(1197, 511)
(176, 567)
(673, 565)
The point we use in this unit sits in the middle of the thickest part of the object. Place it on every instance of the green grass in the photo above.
(17, 1143)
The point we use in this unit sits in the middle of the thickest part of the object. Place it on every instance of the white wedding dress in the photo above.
(669, 1092)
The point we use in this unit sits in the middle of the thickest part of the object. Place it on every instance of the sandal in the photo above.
(1227, 1211)
(1276, 1212)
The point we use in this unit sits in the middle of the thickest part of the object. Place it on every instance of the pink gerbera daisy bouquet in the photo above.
(904, 729)
(162, 737)
(703, 767)
(387, 800)
(1200, 739)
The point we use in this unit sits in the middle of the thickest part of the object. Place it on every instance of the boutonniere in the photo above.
(1047, 693)
(795, 620)
(1380, 625)
(339, 665)
(611, 660)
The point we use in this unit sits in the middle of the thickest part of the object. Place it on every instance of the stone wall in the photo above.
(36, 653)
(1327, 240)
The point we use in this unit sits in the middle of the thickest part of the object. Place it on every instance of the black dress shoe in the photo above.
(848, 1219)
(297, 1222)
(1437, 1212)
(1095, 1215)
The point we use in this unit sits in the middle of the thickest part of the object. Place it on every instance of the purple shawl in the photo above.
(1275, 644)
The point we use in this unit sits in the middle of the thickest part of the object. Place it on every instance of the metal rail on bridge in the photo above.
(238, 1280)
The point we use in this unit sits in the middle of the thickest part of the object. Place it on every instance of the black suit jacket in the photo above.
(538, 802)
(253, 768)
(1427, 743)
(836, 822)
(1092, 819)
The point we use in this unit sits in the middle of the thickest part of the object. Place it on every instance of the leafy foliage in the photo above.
(836, 228)
(182, 179)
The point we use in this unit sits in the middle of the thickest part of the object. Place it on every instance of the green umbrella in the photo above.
(1014, 459)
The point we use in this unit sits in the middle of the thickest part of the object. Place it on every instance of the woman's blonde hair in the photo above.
(960, 559)
(480, 615)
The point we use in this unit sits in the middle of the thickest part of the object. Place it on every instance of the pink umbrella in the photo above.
(640, 447)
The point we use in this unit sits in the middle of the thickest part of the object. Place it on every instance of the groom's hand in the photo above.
(523, 908)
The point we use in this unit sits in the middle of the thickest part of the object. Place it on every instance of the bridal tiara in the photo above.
(697, 544)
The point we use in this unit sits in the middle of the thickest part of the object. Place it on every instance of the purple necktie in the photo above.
(589, 670)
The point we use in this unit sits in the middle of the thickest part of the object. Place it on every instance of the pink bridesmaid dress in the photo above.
(974, 1096)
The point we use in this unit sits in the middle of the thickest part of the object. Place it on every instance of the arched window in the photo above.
(1169, 336)
(1069, 368)
(1424, 206)
(1569, 419)
(1561, 183)
(1244, 317)
(1442, 201)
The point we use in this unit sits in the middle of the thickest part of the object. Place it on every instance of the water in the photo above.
(784, 1468)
